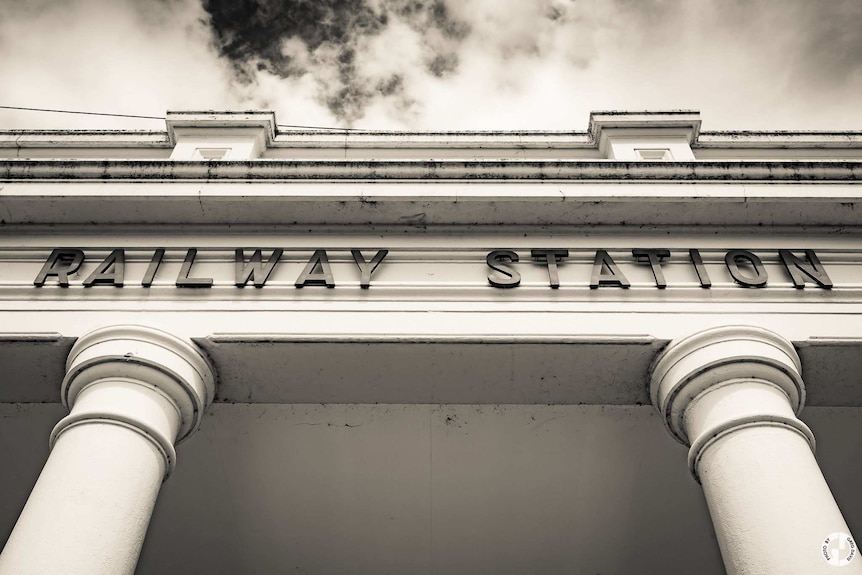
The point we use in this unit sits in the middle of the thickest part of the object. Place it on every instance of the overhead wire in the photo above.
(80, 112)
(140, 117)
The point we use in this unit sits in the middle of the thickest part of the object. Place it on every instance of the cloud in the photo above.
(436, 64)
(407, 63)
(121, 56)
(793, 64)
(336, 43)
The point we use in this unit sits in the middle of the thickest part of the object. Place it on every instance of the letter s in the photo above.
(502, 275)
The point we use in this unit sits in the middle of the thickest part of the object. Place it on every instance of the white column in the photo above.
(133, 392)
(732, 394)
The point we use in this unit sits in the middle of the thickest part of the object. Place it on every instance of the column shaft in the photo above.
(769, 503)
(91, 506)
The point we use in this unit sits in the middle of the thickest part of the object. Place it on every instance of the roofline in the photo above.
(498, 139)
(358, 132)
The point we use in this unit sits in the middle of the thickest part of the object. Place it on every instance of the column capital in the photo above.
(142, 378)
(695, 364)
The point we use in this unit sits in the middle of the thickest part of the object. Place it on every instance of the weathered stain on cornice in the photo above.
(484, 170)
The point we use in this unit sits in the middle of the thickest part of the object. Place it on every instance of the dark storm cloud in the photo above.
(254, 30)
(262, 35)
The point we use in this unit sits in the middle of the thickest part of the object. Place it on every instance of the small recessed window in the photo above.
(210, 153)
(654, 155)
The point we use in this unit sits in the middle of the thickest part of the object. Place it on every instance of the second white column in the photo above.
(732, 394)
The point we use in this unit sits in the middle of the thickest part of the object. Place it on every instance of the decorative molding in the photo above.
(432, 170)
(693, 365)
(125, 363)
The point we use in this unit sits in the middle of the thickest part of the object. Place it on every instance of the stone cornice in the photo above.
(484, 170)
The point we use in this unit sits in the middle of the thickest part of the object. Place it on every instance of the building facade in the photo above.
(228, 348)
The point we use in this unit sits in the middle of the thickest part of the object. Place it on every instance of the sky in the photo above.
(434, 64)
